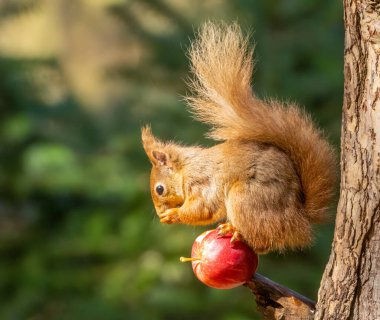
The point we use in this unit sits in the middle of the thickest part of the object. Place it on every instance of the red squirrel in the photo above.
(272, 175)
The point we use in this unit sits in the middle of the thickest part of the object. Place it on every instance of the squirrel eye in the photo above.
(160, 189)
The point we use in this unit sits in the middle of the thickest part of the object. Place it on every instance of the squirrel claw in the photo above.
(236, 237)
(228, 228)
(225, 228)
(170, 216)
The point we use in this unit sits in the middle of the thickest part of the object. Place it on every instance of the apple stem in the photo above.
(183, 259)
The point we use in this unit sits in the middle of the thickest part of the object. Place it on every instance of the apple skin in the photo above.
(220, 264)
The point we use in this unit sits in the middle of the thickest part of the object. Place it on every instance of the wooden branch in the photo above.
(277, 302)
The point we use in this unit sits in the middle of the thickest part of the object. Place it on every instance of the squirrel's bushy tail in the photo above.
(222, 66)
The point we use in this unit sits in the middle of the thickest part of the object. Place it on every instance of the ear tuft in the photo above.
(147, 138)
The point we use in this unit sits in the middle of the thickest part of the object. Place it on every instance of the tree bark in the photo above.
(350, 287)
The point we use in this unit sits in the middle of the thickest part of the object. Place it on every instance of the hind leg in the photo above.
(265, 221)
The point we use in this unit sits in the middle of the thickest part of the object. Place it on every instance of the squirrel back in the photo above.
(222, 65)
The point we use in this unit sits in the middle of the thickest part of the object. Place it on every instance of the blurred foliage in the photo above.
(78, 235)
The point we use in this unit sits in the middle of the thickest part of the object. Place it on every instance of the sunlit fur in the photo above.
(273, 174)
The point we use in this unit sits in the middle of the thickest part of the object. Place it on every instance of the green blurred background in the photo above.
(79, 238)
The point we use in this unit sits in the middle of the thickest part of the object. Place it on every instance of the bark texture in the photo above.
(350, 287)
(276, 302)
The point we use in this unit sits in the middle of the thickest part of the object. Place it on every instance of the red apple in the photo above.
(220, 264)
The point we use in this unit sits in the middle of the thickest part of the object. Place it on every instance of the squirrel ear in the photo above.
(152, 146)
(160, 158)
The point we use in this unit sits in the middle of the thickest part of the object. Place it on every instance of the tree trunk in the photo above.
(350, 287)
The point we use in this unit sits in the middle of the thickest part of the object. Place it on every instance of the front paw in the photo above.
(170, 216)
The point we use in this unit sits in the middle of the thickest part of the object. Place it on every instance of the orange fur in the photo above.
(274, 173)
